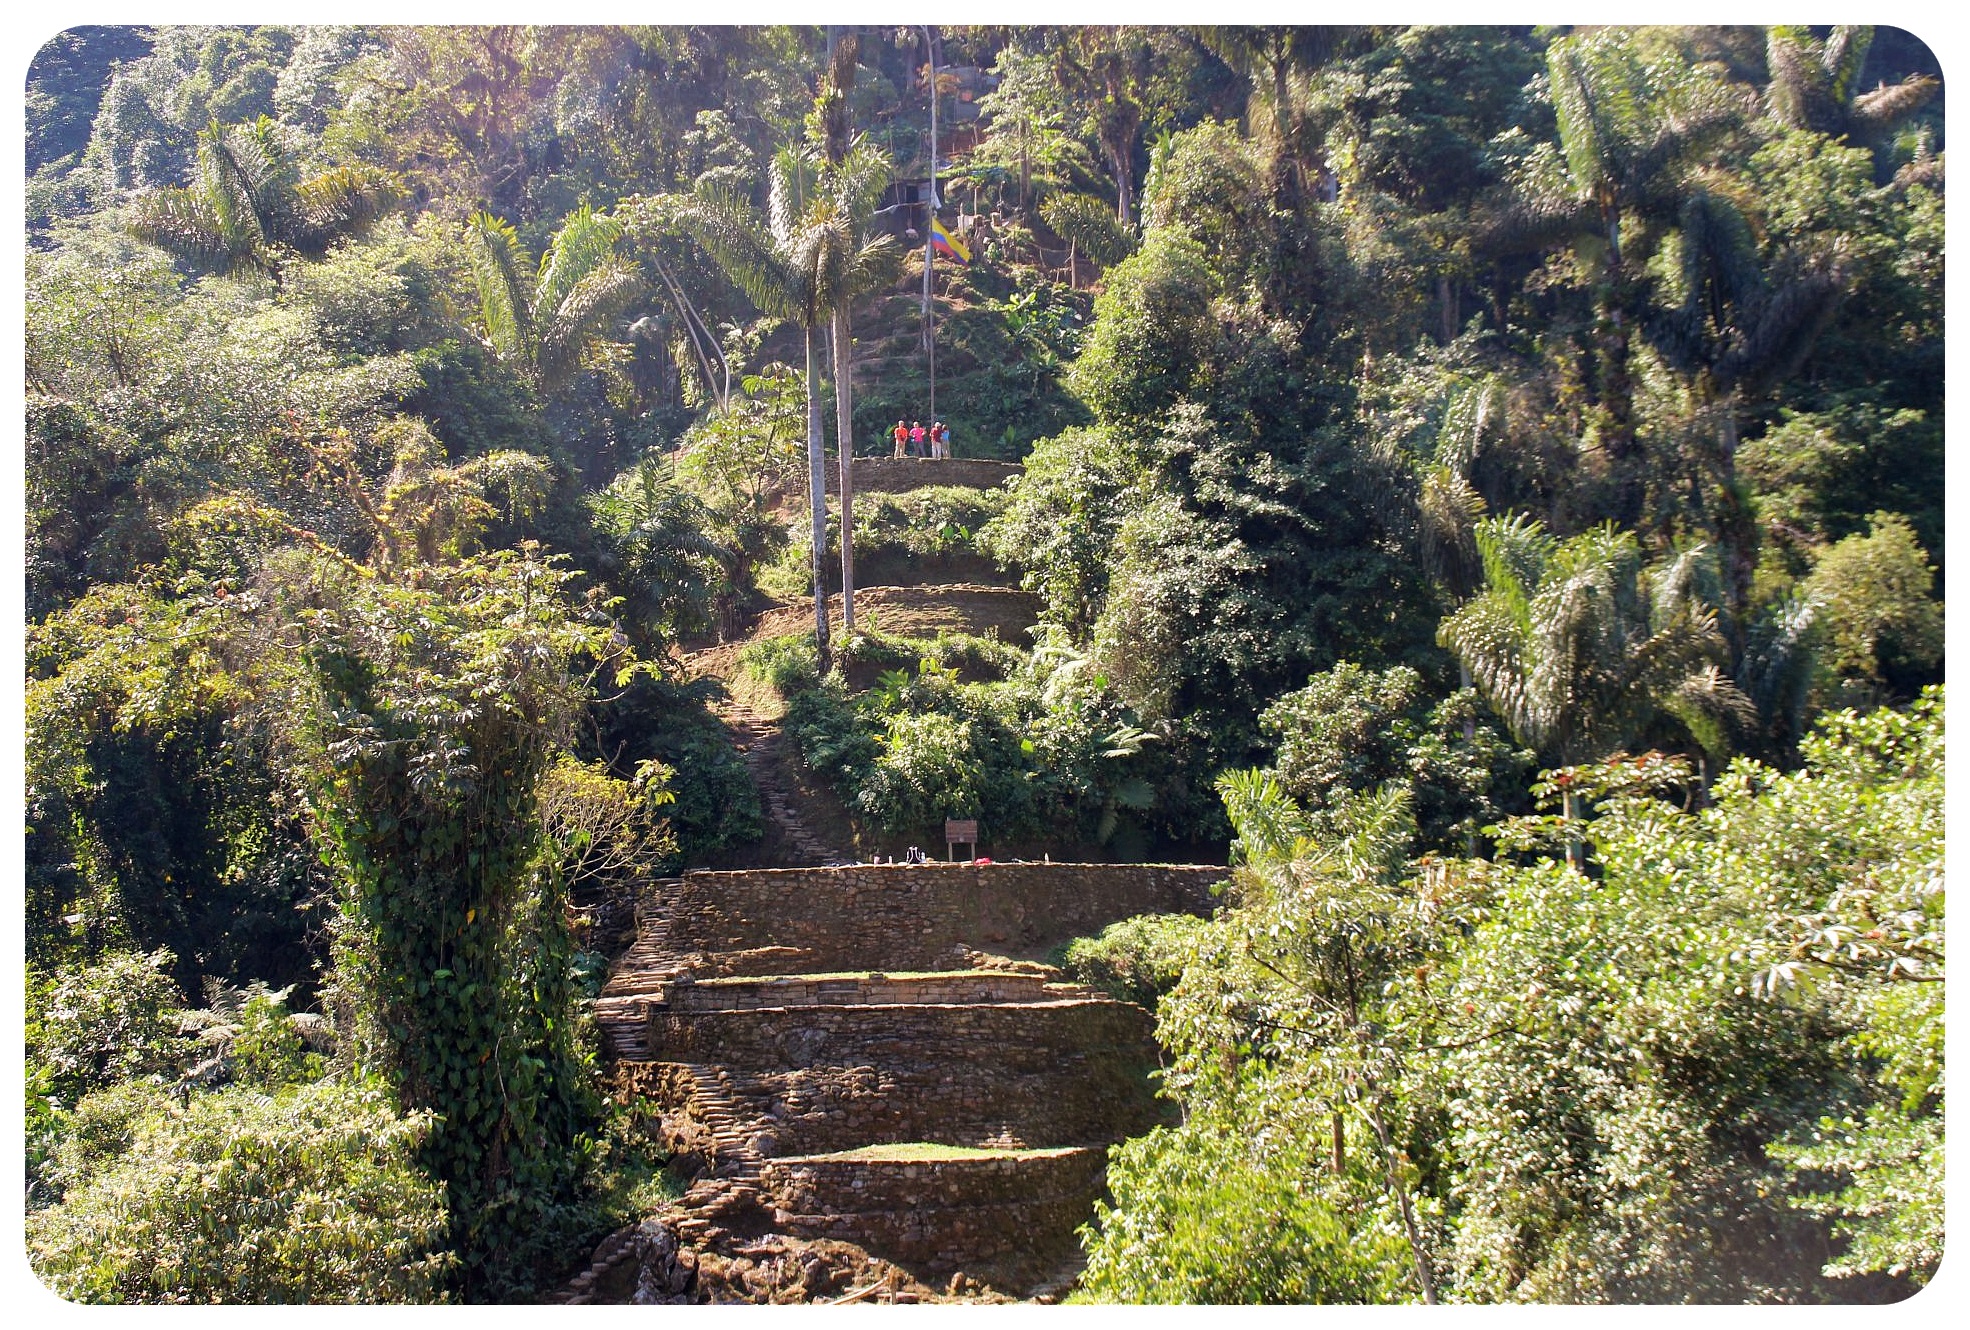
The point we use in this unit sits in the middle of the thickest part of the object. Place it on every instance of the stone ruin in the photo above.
(879, 1089)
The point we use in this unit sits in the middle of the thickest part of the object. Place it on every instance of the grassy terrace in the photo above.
(921, 1152)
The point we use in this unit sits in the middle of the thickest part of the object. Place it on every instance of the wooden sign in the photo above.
(961, 832)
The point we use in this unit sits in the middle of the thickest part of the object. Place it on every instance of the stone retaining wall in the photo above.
(940, 1213)
(1013, 1037)
(687, 996)
(1079, 1100)
(915, 916)
(896, 475)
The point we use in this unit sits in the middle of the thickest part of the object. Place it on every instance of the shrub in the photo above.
(308, 1196)
(94, 1026)
(927, 771)
(1137, 960)
(785, 664)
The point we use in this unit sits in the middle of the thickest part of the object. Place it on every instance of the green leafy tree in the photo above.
(1279, 1017)
(425, 714)
(312, 1195)
(93, 1026)
(1351, 731)
(660, 556)
(1880, 614)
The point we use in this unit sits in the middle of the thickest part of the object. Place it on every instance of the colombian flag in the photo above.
(945, 243)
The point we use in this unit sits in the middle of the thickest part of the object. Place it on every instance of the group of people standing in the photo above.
(913, 440)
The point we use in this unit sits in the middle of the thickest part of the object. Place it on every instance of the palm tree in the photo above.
(547, 319)
(856, 175)
(1577, 646)
(1730, 325)
(1815, 85)
(1089, 227)
(251, 210)
(801, 262)
(1628, 131)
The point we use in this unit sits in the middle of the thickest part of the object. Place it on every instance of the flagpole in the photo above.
(929, 322)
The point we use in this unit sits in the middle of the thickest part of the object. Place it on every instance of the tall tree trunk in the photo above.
(817, 494)
(1617, 392)
(1118, 157)
(1736, 530)
(845, 447)
(1576, 849)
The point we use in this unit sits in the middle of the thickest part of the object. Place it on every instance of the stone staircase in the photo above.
(760, 742)
(875, 1060)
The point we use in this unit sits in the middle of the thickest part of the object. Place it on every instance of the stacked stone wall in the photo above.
(748, 994)
(898, 475)
(914, 916)
(1080, 1099)
(940, 1212)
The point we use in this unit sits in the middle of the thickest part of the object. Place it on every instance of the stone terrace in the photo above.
(875, 1055)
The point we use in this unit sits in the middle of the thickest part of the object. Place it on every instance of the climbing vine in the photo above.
(429, 710)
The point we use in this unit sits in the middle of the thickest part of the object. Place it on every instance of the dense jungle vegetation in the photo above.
(1487, 482)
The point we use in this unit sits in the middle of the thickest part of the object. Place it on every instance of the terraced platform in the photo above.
(874, 1057)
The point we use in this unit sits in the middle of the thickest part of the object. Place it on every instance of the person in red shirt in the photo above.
(916, 438)
(902, 436)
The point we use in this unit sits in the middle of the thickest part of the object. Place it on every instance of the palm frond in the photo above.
(737, 239)
(856, 184)
(499, 269)
(875, 265)
(1878, 111)
(601, 296)
(182, 222)
(1515, 551)
(347, 201)
(1449, 511)
(1843, 56)
(587, 240)
(269, 170)
(1091, 225)
(1582, 124)
(792, 184)
(1713, 709)
(1785, 325)
(818, 257)
(229, 192)
(1795, 79)
(1777, 668)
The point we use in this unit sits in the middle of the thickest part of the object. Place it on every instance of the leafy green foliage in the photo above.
(1880, 614)
(115, 1020)
(1137, 960)
(312, 1195)
(251, 207)
(1377, 285)
(1568, 1088)
(1575, 644)
(1350, 731)
(428, 715)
